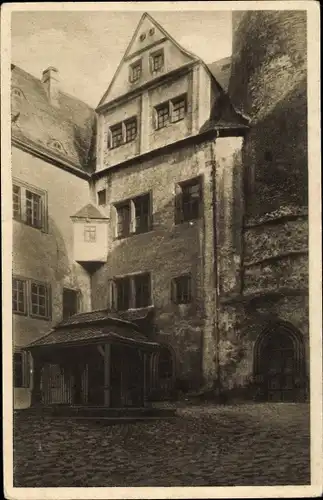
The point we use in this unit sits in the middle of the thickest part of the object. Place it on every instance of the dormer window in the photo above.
(157, 61)
(56, 145)
(17, 93)
(135, 72)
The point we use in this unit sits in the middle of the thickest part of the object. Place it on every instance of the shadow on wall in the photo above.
(275, 156)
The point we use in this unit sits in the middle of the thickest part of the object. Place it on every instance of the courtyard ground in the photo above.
(249, 444)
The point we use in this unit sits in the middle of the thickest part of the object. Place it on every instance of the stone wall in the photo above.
(268, 85)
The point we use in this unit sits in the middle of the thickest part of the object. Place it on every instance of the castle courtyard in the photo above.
(241, 445)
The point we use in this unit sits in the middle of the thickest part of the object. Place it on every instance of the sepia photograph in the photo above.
(158, 201)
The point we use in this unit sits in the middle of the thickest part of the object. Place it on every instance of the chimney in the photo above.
(50, 80)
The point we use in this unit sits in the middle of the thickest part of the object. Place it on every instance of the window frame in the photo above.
(170, 106)
(132, 67)
(99, 193)
(176, 283)
(89, 230)
(133, 227)
(28, 282)
(123, 127)
(24, 188)
(47, 296)
(132, 291)
(24, 281)
(158, 109)
(180, 213)
(24, 367)
(153, 56)
(77, 298)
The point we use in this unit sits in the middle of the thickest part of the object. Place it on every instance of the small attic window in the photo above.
(17, 93)
(151, 31)
(56, 145)
(142, 37)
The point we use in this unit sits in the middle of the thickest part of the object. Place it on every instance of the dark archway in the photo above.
(279, 364)
(163, 373)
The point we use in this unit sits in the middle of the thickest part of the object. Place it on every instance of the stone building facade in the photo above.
(199, 230)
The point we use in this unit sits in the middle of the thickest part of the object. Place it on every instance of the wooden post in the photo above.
(107, 371)
(36, 391)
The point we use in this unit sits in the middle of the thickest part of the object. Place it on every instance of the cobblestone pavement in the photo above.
(255, 444)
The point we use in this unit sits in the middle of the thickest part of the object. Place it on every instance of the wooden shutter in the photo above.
(113, 221)
(178, 204)
(113, 297)
(173, 291)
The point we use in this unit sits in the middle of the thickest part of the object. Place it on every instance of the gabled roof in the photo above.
(72, 123)
(221, 70)
(145, 17)
(89, 212)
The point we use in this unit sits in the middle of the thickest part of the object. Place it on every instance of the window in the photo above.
(142, 213)
(123, 132)
(123, 294)
(21, 370)
(182, 289)
(134, 216)
(142, 37)
(70, 302)
(123, 214)
(171, 111)
(135, 72)
(17, 92)
(151, 31)
(19, 296)
(39, 300)
(16, 202)
(33, 209)
(179, 109)
(162, 115)
(157, 61)
(102, 197)
(18, 369)
(131, 129)
(29, 205)
(142, 290)
(131, 292)
(116, 136)
(188, 199)
(31, 298)
(90, 234)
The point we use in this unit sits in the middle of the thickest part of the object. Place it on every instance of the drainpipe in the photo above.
(217, 384)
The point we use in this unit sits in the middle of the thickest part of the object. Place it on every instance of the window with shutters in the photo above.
(19, 296)
(70, 302)
(123, 133)
(21, 370)
(131, 292)
(31, 298)
(182, 289)
(188, 200)
(171, 111)
(134, 216)
(29, 205)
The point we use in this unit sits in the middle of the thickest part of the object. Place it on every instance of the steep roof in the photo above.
(66, 130)
(221, 70)
(89, 212)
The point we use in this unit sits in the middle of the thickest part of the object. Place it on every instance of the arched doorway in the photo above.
(279, 367)
(162, 373)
